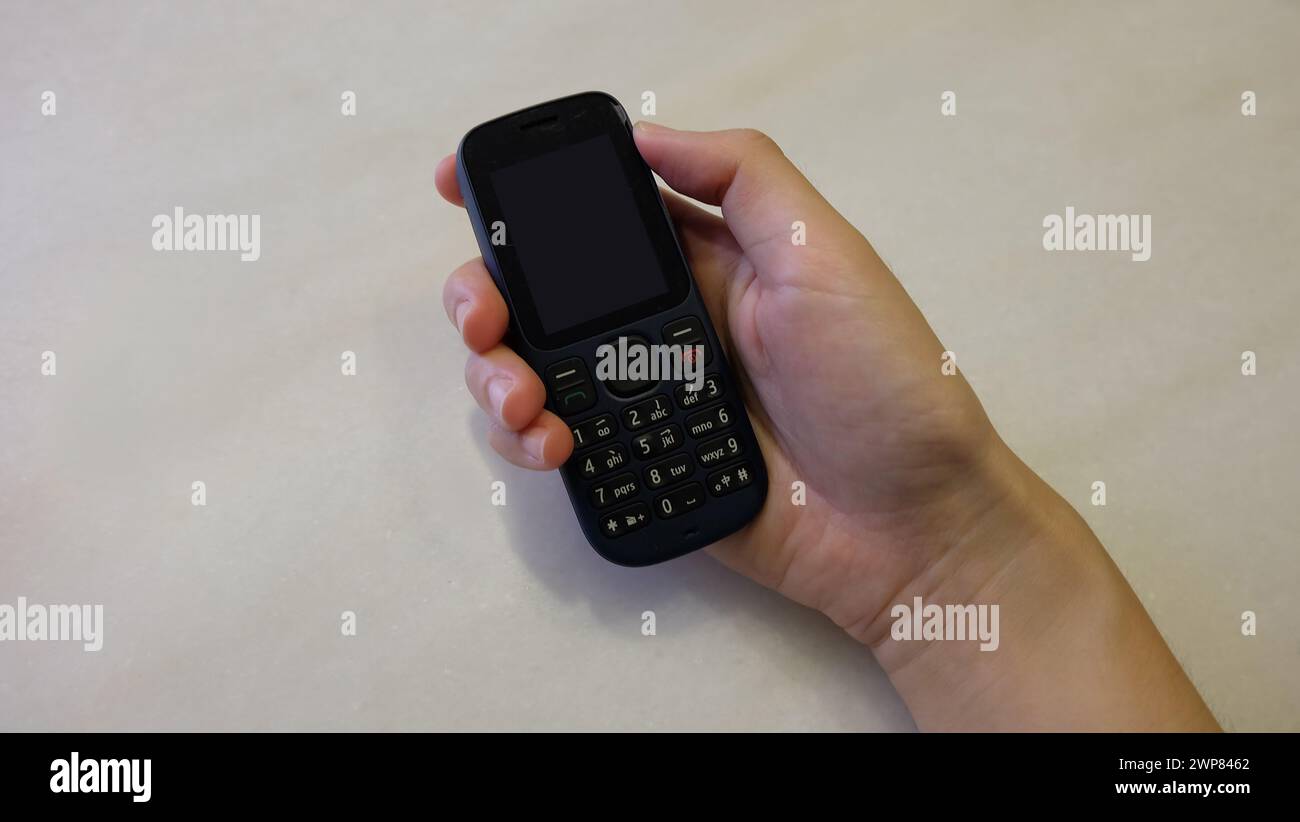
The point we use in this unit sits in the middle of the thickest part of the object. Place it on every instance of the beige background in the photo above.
(371, 493)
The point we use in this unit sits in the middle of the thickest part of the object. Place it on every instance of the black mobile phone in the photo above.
(573, 229)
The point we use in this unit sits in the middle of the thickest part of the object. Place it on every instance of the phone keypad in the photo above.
(668, 483)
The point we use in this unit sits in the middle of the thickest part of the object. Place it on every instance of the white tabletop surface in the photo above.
(372, 493)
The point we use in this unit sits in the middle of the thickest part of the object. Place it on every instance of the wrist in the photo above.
(956, 548)
(1068, 645)
(1006, 537)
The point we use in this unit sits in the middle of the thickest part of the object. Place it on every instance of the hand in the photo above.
(908, 488)
(840, 371)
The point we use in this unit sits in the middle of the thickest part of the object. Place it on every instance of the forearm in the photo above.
(1076, 650)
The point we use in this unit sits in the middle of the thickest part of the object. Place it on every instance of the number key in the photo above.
(719, 450)
(675, 503)
(593, 431)
(645, 413)
(669, 471)
(710, 390)
(620, 488)
(707, 422)
(657, 442)
(602, 461)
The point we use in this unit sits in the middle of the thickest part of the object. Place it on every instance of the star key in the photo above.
(625, 520)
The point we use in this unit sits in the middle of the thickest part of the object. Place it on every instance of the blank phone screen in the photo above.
(582, 247)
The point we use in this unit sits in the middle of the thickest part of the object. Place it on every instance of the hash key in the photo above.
(730, 479)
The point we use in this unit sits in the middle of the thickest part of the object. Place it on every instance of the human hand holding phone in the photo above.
(905, 488)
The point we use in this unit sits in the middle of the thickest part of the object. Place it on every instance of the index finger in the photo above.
(444, 178)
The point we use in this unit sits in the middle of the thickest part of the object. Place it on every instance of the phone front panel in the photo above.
(573, 229)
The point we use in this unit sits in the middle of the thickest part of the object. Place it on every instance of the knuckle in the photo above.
(756, 140)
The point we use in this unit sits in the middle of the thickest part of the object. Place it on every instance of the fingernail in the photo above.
(461, 310)
(497, 390)
(646, 125)
(534, 444)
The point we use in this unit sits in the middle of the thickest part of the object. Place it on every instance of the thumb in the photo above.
(743, 171)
